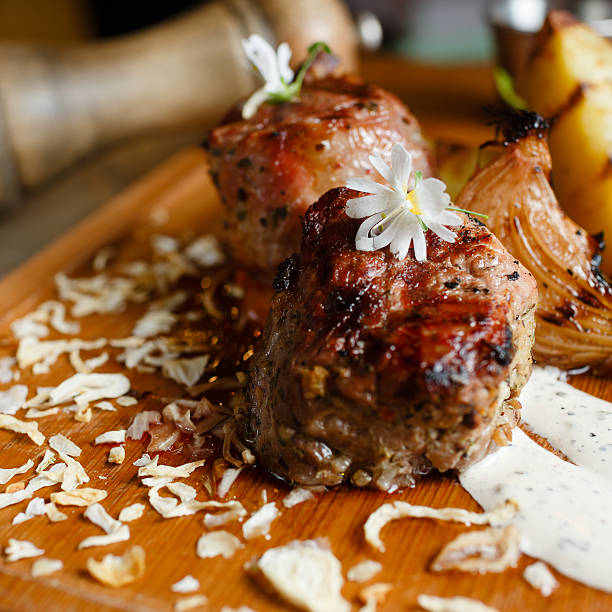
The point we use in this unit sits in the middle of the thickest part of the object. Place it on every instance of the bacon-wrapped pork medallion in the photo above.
(270, 168)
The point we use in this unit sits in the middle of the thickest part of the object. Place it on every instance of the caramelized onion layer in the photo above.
(574, 314)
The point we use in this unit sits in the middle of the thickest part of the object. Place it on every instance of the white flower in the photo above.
(402, 211)
(280, 86)
(273, 67)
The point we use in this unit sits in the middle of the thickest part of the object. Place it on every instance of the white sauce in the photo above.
(574, 422)
(564, 510)
(565, 515)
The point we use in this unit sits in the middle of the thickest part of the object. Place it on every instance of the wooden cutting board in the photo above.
(181, 193)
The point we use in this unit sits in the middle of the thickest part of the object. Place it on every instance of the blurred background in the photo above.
(57, 163)
(434, 30)
(428, 30)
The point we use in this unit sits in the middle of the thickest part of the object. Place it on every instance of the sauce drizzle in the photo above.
(565, 508)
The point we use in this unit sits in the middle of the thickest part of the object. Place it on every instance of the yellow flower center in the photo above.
(413, 202)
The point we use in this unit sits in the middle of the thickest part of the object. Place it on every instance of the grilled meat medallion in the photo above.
(374, 370)
(271, 168)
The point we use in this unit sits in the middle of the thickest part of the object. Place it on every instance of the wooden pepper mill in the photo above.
(57, 105)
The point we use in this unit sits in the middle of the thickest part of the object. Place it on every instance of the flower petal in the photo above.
(442, 231)
(387, 235)
(420, 245)
(449, 218)
(366, 185)
(254, 102)
(363, 241)
(365, 206)
(261, 53)
(382, 169)
(401, 243)
(283, 56)
(432, 197)
(401, 162)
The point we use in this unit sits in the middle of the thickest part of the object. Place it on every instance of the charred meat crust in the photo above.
(385, 369)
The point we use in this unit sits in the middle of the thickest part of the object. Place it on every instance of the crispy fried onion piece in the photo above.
(78, 497)
(452, 604)
(29, 428)
(297, 496)
(118, 571)
(42, 354)
(169, 507)
(21, 549)
(6, 374)
(62, 444)
(116, 455)
(163, 437)
(131, 513)
(180, 415)
(120, 535)
(44, 567)
(259, 522)
(87, 366)
(99, 294)
(36, 507)
(305, 574)
(211, 521)
(187, 584)
(218, 543)
(205, 251)
(116, 436)
(13, 399)
(494, 549)
(86, 388)
(126, 400)
(144, 459)
(115, 530)
(188, 603)
(185, 371)
(141, 423)
(74, 474)
(168, 471)
(7, 473)
(100, 517)
(50, 312)
(373, 595)
(227, 480)
(56, 316)
(154, 322)
(47, 460)
(53, 514)
(396, 510)
(540, 577)
(364, 571)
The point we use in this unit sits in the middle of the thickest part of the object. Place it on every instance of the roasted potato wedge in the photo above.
(569, 78)
(568, 55)
(457, 163)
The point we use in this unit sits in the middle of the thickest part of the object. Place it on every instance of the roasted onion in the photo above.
(574, 314)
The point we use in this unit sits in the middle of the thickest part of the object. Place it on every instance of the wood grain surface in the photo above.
(182, 188)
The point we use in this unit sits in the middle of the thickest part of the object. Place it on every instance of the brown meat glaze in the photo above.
(271, 168)
(374, 370)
